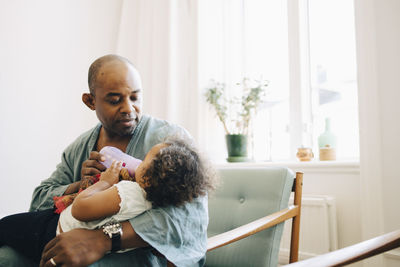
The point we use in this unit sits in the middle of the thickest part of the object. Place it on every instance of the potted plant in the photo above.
(236, 113)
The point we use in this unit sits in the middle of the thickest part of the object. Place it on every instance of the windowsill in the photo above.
(306, 166)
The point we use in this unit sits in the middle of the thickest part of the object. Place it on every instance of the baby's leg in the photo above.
(29, 232)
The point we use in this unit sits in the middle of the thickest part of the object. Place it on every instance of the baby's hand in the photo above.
(111, 175)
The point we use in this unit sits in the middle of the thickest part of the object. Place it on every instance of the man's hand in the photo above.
(92, 166)
(78, 247)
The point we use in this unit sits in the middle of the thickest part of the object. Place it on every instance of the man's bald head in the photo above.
(115, 95)
(99, 63)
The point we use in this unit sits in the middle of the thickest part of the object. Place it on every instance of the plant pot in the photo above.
(237, 147)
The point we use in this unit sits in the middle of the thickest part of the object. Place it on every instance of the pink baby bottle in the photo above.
(113, 153)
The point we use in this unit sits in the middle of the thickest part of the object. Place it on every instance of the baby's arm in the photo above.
(101, 199)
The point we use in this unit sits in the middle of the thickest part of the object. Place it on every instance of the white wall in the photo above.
(378, 52)
(46, 48)
(388, 67)
(388, 51)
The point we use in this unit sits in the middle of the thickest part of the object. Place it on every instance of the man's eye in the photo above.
(134, 98)
(113, 101)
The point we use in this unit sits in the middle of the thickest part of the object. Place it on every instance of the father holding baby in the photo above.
(177, 233)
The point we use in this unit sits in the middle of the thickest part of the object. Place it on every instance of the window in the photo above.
(333, 84)
(305, 49)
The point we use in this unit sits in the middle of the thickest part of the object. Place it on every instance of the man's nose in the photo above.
(127, 107)
(136, 107)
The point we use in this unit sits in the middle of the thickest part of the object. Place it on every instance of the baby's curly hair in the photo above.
(177, 175)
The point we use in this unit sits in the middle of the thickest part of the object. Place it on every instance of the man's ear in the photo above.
(88, 99)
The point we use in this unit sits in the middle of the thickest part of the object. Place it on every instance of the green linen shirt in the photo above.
(179, 233)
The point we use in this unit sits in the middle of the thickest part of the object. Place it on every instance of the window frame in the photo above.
(301, 101)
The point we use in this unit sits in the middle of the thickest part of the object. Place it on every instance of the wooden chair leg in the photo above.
(294, 241)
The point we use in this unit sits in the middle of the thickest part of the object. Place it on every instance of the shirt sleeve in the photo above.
(55, 185)
(179, 233)
(133, 200)
(67, 171)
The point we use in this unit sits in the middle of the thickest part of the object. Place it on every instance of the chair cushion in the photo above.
(247, 194)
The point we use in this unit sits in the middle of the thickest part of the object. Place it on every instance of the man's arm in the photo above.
(72, 188)
(82, 247)
(56, 185)
(61, 182)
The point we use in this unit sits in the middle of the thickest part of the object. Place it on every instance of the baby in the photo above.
(172, 173)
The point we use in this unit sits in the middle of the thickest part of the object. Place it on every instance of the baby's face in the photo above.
(141, 169)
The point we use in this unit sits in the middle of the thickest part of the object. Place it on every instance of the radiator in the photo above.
(318, 228)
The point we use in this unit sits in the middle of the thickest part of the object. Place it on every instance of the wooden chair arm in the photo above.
(251, 228)
(355, 252)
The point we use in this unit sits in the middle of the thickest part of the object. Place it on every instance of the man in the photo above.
(178, 233)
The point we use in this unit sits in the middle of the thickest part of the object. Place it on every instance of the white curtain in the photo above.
(220, 37)
(177, 53)
(160, 38)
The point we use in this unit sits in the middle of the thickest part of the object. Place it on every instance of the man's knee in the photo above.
(11, 258)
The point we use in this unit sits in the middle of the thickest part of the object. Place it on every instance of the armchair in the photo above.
(249, 207)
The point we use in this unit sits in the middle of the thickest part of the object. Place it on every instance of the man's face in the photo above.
(118, 98)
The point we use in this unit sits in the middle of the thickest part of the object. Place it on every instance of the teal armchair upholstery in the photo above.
(245, 195)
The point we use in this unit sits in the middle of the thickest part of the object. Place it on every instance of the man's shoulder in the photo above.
(151, 131)
(163, 127)
(157, 122)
